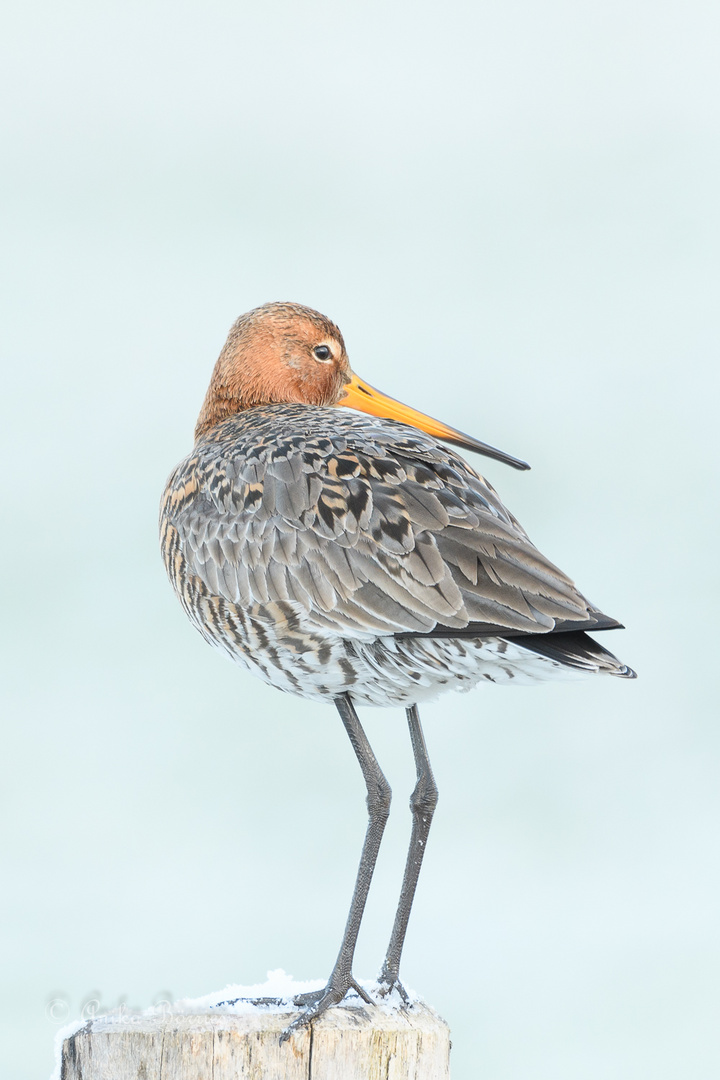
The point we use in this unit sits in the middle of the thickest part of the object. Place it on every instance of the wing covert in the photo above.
(374, 529)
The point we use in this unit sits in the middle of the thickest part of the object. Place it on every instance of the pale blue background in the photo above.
(511, 211)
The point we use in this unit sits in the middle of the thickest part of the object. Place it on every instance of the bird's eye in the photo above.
(322, 352)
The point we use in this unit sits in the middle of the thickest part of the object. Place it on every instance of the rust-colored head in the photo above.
(281, 354)
(278, 353)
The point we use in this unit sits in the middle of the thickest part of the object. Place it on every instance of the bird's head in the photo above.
(279, 353)
(284, 353)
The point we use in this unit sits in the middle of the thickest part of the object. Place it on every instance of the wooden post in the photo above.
(362, 1042)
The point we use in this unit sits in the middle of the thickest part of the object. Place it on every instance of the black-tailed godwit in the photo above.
(357, 560)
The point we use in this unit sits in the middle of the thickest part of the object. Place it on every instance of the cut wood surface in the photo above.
(349, 1042)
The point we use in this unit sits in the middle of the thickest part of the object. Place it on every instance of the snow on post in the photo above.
(236, 1033)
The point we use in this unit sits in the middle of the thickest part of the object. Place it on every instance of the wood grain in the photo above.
(347, 1043)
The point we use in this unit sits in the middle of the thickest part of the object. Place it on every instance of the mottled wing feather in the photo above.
(363, 526)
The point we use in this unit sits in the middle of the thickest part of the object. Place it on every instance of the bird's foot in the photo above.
(390, 984)
(318, 1001)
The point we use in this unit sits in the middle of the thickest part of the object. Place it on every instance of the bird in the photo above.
(332, 542)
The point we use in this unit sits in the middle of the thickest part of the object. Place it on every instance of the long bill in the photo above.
(360, 395)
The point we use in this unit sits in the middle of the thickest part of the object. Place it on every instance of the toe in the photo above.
(386, 987)
(318, 1001)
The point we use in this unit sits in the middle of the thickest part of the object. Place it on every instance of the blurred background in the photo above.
(510, 209)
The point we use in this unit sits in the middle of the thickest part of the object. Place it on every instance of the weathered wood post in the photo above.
(349, 1042)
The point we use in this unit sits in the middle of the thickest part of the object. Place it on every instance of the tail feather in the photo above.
(575, 649)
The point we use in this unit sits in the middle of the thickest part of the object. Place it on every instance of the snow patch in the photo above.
(61, 1035)
(274, 995)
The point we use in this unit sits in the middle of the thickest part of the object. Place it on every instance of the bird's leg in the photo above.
(378, 803)
(422, 805)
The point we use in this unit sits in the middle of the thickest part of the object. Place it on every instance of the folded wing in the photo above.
(370, 530)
